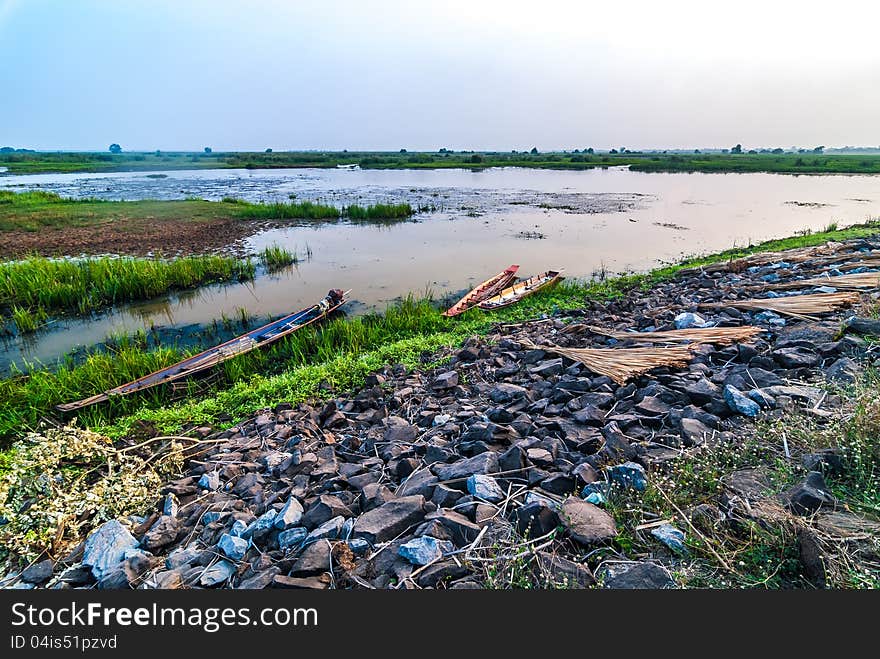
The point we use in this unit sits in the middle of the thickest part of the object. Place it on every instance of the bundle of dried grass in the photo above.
(717, 335)
(796, 306)
(621, 364)
(852, 282)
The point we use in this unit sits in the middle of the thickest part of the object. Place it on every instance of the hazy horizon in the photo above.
(483, 76)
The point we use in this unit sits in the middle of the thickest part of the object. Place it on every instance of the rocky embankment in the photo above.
(506, 455)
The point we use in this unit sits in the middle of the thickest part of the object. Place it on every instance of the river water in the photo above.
(481, 221)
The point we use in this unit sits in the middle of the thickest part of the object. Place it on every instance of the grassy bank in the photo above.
(338, 353)
(35, 211)
(32, 288)
(789, 163)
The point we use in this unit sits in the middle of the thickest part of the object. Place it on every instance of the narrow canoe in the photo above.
(518, 291)
(487, 289)
(257, 338)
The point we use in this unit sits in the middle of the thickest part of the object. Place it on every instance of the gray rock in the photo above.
(260, 580)
(586, 523)
(483, 463)
(106, 547)
(290, 515)
(737, 401)
(702, 391)
(233, 546)
(694, 432)
(170, 505)
(218, 573)
(162, 533)
(423, 550)
(505, 393)
(447, 380)
(181, 557)
(329, 530)
(563, 573)
(390, 519)
(38, 572)
(485, 488)
(636, 575)
(314, 559)
(809, 496)
(399, 430)
(795, 357)
(843, 371)
(861, 325)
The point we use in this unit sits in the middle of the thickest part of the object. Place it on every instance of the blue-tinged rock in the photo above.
(595, 498)
(238, 528)
(778, 265)
(824, 289)
(762, 398)
(773, 294)
(290, 515)
(292, 537)
(106, 546)
(169, 505)
(770, 318)
(834, 272)
(629, 474)
(771, 278)
(358, 546)
(689, 319)
(737, 401)
(329, 530)
(424, 549)
(535, 497)
(210, 517)
(260, 526)
(602, 488)
(181, 557)
(217, 574)
(347, 528)
(485, 487)
(233, 546)
(210, 481)
(671, 537)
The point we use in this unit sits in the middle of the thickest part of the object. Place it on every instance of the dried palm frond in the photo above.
(797, 306)
(718, 335)
(860, 280)
(621, 364)
(873, 262)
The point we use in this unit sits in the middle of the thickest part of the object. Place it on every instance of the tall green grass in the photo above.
(378, 212)
(275, 257)
(309, 210)
(42, 285)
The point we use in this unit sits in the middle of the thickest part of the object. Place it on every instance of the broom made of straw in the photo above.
(797, 306)
(718, 335)
(621, 364)
(857, 281)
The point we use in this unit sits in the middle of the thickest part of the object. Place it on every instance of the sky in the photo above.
(475, 74)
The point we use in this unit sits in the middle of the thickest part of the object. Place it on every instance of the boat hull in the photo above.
(253, 340)
(487, 289)
(521, 290)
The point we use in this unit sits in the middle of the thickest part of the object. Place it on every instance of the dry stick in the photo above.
(695, 530)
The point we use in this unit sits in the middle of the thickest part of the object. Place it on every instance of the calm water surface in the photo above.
(483, 221)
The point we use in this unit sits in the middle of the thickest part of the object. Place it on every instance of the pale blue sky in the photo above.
(162, 74)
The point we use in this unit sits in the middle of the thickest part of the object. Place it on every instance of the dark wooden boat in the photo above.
(487, 289)
(522, 289)
(258, 338)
